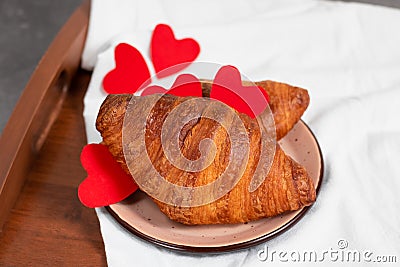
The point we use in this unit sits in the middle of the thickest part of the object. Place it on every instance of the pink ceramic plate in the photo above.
(142, 217)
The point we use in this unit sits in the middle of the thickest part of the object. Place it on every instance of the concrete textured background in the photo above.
(26, 30)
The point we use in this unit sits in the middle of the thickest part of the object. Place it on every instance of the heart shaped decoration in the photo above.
(227, 87)
(130, 73)
(170, 55)
(106, 182)
(184, 85)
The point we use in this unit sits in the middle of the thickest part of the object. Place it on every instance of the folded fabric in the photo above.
(345, 54)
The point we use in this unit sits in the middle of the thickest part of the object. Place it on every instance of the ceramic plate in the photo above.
(140, 215)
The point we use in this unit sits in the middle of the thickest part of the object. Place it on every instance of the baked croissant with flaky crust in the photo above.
(287, 186)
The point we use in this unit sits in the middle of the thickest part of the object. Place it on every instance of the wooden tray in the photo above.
(41, 218)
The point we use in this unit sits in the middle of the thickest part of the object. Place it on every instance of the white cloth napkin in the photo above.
(347, 55)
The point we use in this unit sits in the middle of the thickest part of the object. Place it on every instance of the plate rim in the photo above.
(226, 248)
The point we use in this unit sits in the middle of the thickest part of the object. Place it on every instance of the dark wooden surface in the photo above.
(48, 225)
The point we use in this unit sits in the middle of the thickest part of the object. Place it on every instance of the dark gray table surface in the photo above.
(27, 28)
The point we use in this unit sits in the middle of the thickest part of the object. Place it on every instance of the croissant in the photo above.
(287, 186)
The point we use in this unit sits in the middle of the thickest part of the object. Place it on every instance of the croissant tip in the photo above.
(304, 184)
(109, 107)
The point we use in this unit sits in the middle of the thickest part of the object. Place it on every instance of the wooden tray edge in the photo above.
(38, 107)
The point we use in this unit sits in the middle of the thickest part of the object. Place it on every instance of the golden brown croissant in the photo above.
(286, 187)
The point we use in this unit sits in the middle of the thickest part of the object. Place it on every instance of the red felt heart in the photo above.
(130, 73)
(227, 87)
(184, 85)
(168, 52)
(106, 182)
